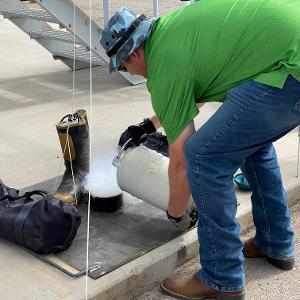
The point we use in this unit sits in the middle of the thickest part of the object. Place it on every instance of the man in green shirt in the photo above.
(246, 54)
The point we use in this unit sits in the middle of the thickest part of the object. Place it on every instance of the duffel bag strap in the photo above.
(23, 214)
(70, 236)
(26, 195)
(20, 221)
(36, 192)
(44, 194)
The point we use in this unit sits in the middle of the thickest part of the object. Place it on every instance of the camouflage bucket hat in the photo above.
(124, 33)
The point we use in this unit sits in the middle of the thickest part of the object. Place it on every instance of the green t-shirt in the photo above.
(197, 53)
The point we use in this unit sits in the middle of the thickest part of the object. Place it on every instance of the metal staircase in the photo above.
(51, 23)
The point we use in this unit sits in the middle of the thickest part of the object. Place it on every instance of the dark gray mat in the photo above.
(115, 238)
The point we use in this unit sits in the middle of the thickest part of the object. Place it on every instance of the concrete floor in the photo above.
(35, 92)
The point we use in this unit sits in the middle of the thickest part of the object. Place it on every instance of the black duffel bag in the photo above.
(37, 220)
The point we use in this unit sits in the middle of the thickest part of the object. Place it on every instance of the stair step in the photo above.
(30, 13)
(81, 54)
(58, 35)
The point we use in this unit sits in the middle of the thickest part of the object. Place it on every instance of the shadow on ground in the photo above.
(39, 89)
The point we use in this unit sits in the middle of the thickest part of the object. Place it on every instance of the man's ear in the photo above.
(139, 51)
(135, 53)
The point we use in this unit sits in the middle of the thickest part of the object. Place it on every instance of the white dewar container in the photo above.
(143, 173)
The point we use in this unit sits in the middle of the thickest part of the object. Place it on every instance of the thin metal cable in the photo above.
(91, 123)
(73, 94)
(74, 54)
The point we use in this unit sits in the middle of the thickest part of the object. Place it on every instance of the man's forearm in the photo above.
(154, 119)
(179, 189)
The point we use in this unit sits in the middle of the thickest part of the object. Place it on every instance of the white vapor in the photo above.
(102, 179)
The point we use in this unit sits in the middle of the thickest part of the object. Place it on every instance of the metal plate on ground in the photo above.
(115, 238)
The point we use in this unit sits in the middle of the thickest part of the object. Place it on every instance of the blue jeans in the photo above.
(241, 133)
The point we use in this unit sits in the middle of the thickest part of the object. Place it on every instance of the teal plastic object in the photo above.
(241, 182)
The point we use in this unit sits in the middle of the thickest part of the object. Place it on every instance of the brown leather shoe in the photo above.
(251, 250)
(191, 288)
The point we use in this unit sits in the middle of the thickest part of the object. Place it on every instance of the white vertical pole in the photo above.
(106, 6)
(155, 8)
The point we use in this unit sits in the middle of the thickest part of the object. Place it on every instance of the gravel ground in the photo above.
(264, 282)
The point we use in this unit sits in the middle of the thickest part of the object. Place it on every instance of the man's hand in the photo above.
(186, 221)
(137, 133)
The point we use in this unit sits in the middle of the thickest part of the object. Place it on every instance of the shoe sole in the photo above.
(283, 264)
(174, 295)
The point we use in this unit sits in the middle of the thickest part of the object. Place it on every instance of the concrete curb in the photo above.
(139, 275)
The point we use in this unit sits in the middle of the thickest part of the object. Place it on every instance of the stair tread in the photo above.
(55, 34)
(81, 54)
(30, 13)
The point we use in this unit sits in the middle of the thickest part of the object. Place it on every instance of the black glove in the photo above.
(137, 133)
(158, 142)
(188, 220)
